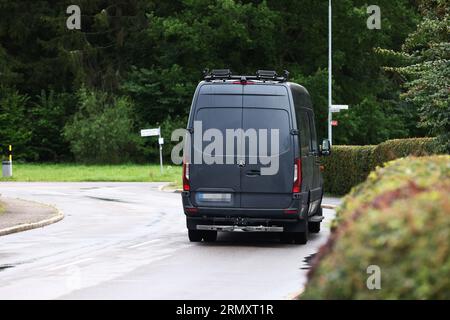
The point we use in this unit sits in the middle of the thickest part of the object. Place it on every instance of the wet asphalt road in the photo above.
(129, 241)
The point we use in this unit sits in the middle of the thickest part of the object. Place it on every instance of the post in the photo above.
(7, 165)
(160, 151)
(330, 115)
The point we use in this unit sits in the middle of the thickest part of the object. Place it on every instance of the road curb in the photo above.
(166, 188)
(34, 225)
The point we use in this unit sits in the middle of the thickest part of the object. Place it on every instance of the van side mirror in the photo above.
(325, 148)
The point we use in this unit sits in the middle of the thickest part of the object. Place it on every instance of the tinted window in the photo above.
(305, 133)
(313, 132)
(220, 119)
(255, 118)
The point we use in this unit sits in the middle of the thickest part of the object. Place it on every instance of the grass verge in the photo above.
(93, 173)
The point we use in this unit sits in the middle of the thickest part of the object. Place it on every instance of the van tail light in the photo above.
(243, 82)
(186, 185)
(296, 188)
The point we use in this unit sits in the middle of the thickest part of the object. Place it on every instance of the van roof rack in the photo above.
(226, 74)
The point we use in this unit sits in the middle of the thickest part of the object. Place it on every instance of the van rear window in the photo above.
(258, 118)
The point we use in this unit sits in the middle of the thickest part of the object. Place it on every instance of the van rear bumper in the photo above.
(231, 228)
(245, 224)
(297, 209)
(291, 219)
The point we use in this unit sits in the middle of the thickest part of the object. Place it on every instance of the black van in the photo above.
(234, 194)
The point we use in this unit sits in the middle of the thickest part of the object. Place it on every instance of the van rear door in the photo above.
(266, 107)
(218, 107)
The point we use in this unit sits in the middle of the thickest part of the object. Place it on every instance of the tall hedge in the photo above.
(346, 167)
(397, 220)
(350, 165)
(400, 148)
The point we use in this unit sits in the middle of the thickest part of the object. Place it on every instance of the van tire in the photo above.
(314, 227)
(294, 237)
(209, 236)
(286, 237)
(301, 237)
(195, 235)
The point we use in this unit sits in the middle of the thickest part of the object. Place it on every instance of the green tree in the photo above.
(102, 129)
(14, 125)
(49, 114)
(426, 68)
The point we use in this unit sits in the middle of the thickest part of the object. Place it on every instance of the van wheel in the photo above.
(195, 235)
(294, 237)
(210, 236)
(286, 237)
(314, 227)
(301, 237)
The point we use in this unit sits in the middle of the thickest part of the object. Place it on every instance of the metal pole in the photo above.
(160, 151)
(330, 115)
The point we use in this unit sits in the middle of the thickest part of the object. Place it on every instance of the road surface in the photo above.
(129, 241)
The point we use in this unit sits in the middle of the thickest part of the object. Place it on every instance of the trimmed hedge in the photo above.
(398, 220)
(350, 165)
(346, 167)
(400, 148)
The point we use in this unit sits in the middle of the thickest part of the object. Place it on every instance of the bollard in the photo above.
(7, 169)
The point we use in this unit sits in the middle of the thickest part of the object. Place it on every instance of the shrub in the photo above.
(102, 129)
(349, 165)
(49, 114)
(399, 220)
(346, 167)
(399, 148)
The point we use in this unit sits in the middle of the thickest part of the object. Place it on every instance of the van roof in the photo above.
(292, 85)
(261, 75)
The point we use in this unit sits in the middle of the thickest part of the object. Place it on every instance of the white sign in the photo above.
(150, 132)
(338, 107)
(161, 140)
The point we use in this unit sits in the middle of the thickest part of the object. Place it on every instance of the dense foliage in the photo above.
(350, 165)
(399, 221)
(101, 130)
(150, 53)
(425, 69)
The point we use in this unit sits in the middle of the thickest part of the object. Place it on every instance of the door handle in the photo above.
(253, 173)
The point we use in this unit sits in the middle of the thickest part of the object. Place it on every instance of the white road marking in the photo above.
(143, 243)
(69, 264)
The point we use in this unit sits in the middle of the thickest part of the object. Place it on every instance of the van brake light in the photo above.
(296, 188)
(186, 185)
(243, 82)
